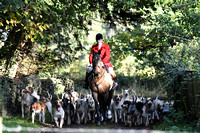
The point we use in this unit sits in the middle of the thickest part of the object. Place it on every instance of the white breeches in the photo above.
(111, 71)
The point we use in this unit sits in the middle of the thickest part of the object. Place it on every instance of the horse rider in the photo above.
(105, 56)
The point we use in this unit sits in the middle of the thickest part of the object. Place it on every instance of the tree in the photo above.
(47, 34)
(32, 27)
(166, 25)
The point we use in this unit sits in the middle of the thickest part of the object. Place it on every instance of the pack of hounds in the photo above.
(127, 108)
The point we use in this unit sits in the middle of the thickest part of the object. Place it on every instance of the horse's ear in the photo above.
(99, 52)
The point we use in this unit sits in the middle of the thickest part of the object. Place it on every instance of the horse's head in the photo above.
(97, 63)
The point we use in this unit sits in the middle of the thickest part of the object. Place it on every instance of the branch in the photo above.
(179, 37)
(147, 47)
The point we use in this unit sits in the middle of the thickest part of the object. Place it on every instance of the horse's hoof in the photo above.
(104, 123)
(98, 123)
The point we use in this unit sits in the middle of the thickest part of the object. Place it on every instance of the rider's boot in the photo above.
(86, 84)
(115, 84)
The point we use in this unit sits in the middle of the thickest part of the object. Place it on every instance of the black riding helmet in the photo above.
(99, 36)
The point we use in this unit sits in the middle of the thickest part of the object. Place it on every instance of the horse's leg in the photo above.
(104, 109)
(106, 105)
(109, 101)
(98, 113)
(110, 98)
(95, 96)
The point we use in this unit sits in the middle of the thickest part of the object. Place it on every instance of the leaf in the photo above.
(5, 11)
(47, 26)
(25, 13)
(26, 1)
(40, 27)
(7, 27)
(1, 24)
(44, 27)
(7, 21)
(32, 39)
(12, 21)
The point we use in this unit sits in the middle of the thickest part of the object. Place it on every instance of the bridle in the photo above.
(101, 77)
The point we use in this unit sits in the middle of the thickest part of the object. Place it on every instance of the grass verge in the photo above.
(15, 121)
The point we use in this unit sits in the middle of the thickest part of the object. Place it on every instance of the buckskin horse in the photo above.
(101, 85)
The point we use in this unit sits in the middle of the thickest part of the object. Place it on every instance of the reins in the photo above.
(96, 83)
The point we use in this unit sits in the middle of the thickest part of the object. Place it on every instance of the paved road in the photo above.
(85, 128)
(82, 130)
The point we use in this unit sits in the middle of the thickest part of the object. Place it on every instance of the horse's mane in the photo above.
(96, 57)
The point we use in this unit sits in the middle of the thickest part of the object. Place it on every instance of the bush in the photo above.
(177, 121)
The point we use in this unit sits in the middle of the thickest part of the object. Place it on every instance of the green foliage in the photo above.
(14, 121)
(181, 87)
(166, 25)
(30, 29)
(35, 27)
(168, 41)
(50, 33)
(175, 121)
(153, 43)
(198, 124)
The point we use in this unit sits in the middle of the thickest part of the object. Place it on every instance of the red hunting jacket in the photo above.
(105, 54)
